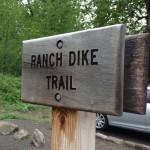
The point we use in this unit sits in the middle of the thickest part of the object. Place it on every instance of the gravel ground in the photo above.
(9, 143)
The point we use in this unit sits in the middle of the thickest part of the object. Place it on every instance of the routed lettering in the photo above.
(58, 59)
(71, 88)
(33, 59)
(39, 61)
(72, 58)
(66, 82)
(78, 57)
(48, 77)
(50, 60)
(93, 56)
(54, 81)
(84, 57)
(45, 60)
(60, 83)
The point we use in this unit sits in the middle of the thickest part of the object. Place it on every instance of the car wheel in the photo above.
(101, 121)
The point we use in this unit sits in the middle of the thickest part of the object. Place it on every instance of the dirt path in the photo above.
(9, 143)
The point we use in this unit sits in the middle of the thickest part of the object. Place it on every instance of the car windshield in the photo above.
(148, 96)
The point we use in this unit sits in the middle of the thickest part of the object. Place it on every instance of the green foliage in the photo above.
(12, 116)
(23, 138)
(24, 107)
(130, 12)
(55, 18)
(45, 116)
(11, 106)
(39, 18)
(35, 19)
(10, 41)
(10, 94)
(10, 89)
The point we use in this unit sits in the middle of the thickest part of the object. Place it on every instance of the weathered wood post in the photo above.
(136, 73)
(72, 129)
(78, 74)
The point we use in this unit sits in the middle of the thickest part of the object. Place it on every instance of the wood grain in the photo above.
(136, 73)
(92, 82)
(72, 130)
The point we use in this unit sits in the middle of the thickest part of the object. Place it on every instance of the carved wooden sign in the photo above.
(81, 70)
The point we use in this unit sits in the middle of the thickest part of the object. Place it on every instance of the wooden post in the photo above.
(72, 130)
(136, 73)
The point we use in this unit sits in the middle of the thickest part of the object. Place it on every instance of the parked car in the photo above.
(127, 120)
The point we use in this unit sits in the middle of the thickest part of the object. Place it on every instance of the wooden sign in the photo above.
(136, 73)
(80, 70)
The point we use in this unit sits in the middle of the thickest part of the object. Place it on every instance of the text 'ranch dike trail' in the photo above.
(56, 60)
(76, 70)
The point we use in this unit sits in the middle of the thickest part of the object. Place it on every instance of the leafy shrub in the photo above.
(10, 94)
(10, 89)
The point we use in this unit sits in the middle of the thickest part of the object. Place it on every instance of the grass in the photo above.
(11, 106)
(40, 114)
(45, 116)
(12, 116)
(23, 138)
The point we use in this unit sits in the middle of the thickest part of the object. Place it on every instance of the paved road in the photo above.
(128, 135)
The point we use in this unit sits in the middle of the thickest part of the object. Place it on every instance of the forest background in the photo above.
(24, 20)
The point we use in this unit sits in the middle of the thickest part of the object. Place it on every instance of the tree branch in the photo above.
(139, 18)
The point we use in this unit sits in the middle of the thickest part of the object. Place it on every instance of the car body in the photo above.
(127, 120)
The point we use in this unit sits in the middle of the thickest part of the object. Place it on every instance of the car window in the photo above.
(148, 96)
